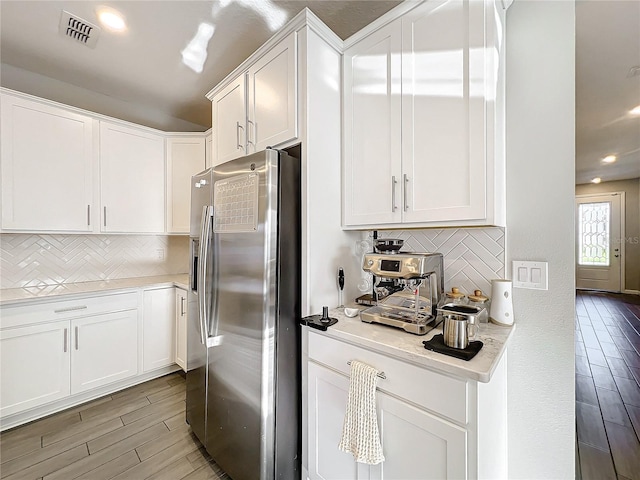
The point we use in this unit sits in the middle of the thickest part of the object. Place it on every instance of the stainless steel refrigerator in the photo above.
(243, 350)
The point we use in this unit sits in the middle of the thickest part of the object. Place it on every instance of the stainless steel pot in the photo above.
(460, 324)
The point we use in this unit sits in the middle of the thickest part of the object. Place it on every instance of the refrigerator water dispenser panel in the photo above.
(236, 204)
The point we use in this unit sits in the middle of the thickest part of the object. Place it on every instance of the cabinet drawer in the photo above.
(438, 393)
(34, 313)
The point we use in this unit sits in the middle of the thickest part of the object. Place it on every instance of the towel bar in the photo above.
(379, 374)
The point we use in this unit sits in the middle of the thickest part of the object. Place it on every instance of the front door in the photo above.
(598, 242)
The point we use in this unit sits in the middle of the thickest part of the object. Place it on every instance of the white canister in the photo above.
(501, 311)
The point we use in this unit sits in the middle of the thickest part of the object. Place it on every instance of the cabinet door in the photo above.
(272, 96)
(104, 350)
(34, 366)
(372, 122)
(181, 328)
(132, 174)
(185, 157)
(417, 445)
(443, 111)
(327, 403)
(228, 123)
(158, 327)
(46, 163)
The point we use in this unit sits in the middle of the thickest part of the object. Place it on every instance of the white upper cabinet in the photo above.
(272, 94)
(132, 174)
(229, 122)
(258, 108)
(185, 157)
(372, 130)
(46, 164)
(444, 164)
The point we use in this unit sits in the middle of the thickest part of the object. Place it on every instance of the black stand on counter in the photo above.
(321, 322)
(436, 344)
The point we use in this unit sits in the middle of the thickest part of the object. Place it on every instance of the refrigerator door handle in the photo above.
(205, 237)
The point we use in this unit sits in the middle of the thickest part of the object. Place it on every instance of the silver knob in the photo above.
(370, 262)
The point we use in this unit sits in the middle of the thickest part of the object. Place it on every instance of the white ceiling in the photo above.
(144, 66)
(607, 47)
(139, 76)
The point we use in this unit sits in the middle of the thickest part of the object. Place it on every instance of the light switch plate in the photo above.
(533, 275)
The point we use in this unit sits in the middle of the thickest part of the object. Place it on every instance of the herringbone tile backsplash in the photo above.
(29, 260)
(472, 256)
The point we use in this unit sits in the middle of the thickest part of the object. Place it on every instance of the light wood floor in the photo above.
(138, 433)
(607, 386)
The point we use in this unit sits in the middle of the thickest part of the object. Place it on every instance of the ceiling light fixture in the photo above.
(112, 19)
(596, 180)
(609, 159)
(635, 111)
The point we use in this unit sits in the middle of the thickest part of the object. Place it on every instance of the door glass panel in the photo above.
(593, 236)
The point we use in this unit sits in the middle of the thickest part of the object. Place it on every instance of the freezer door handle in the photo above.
(205, 238)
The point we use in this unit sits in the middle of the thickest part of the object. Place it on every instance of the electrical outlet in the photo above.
(533, 275)
(160, 254)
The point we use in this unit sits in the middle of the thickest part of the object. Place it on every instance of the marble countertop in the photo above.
(405, 346)
(13, 296)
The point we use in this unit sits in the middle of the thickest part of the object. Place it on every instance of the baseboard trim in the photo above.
(632, 292)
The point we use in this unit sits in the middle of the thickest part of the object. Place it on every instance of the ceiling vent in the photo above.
(78, 29)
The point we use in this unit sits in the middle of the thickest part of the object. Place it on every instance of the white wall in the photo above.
(540, 209)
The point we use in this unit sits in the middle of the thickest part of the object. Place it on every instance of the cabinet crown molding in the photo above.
(305, 18)
(95, 115)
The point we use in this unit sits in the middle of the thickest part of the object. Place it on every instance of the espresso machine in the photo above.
(408, 287)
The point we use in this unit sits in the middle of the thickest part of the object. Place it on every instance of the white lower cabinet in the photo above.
(181, 328)
(104, 350)
(327, 403)
(59, 353)
(432, 425)
(158, 325)
(416, 444)
(34, 366)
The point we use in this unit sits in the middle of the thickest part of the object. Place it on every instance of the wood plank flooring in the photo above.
(607, 386)
(137, 433)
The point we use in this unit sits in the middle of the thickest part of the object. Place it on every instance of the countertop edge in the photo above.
(28, 295)
(430, 359)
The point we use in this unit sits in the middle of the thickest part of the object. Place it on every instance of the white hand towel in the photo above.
(360, 434)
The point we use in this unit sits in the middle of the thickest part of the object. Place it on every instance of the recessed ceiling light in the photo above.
(609, 159)
(111, 19)
(596, 180)
(635, 111)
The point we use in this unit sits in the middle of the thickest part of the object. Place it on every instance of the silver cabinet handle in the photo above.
(77, 340)
(65, 340)
(105, 216)
(238, 127)
(182, 306)
(89, 215)
(393, 193)
(255, 131)
(70, 309)
(406, 186)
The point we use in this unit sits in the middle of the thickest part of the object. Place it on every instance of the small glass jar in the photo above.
(455, 296)
(478, 299)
